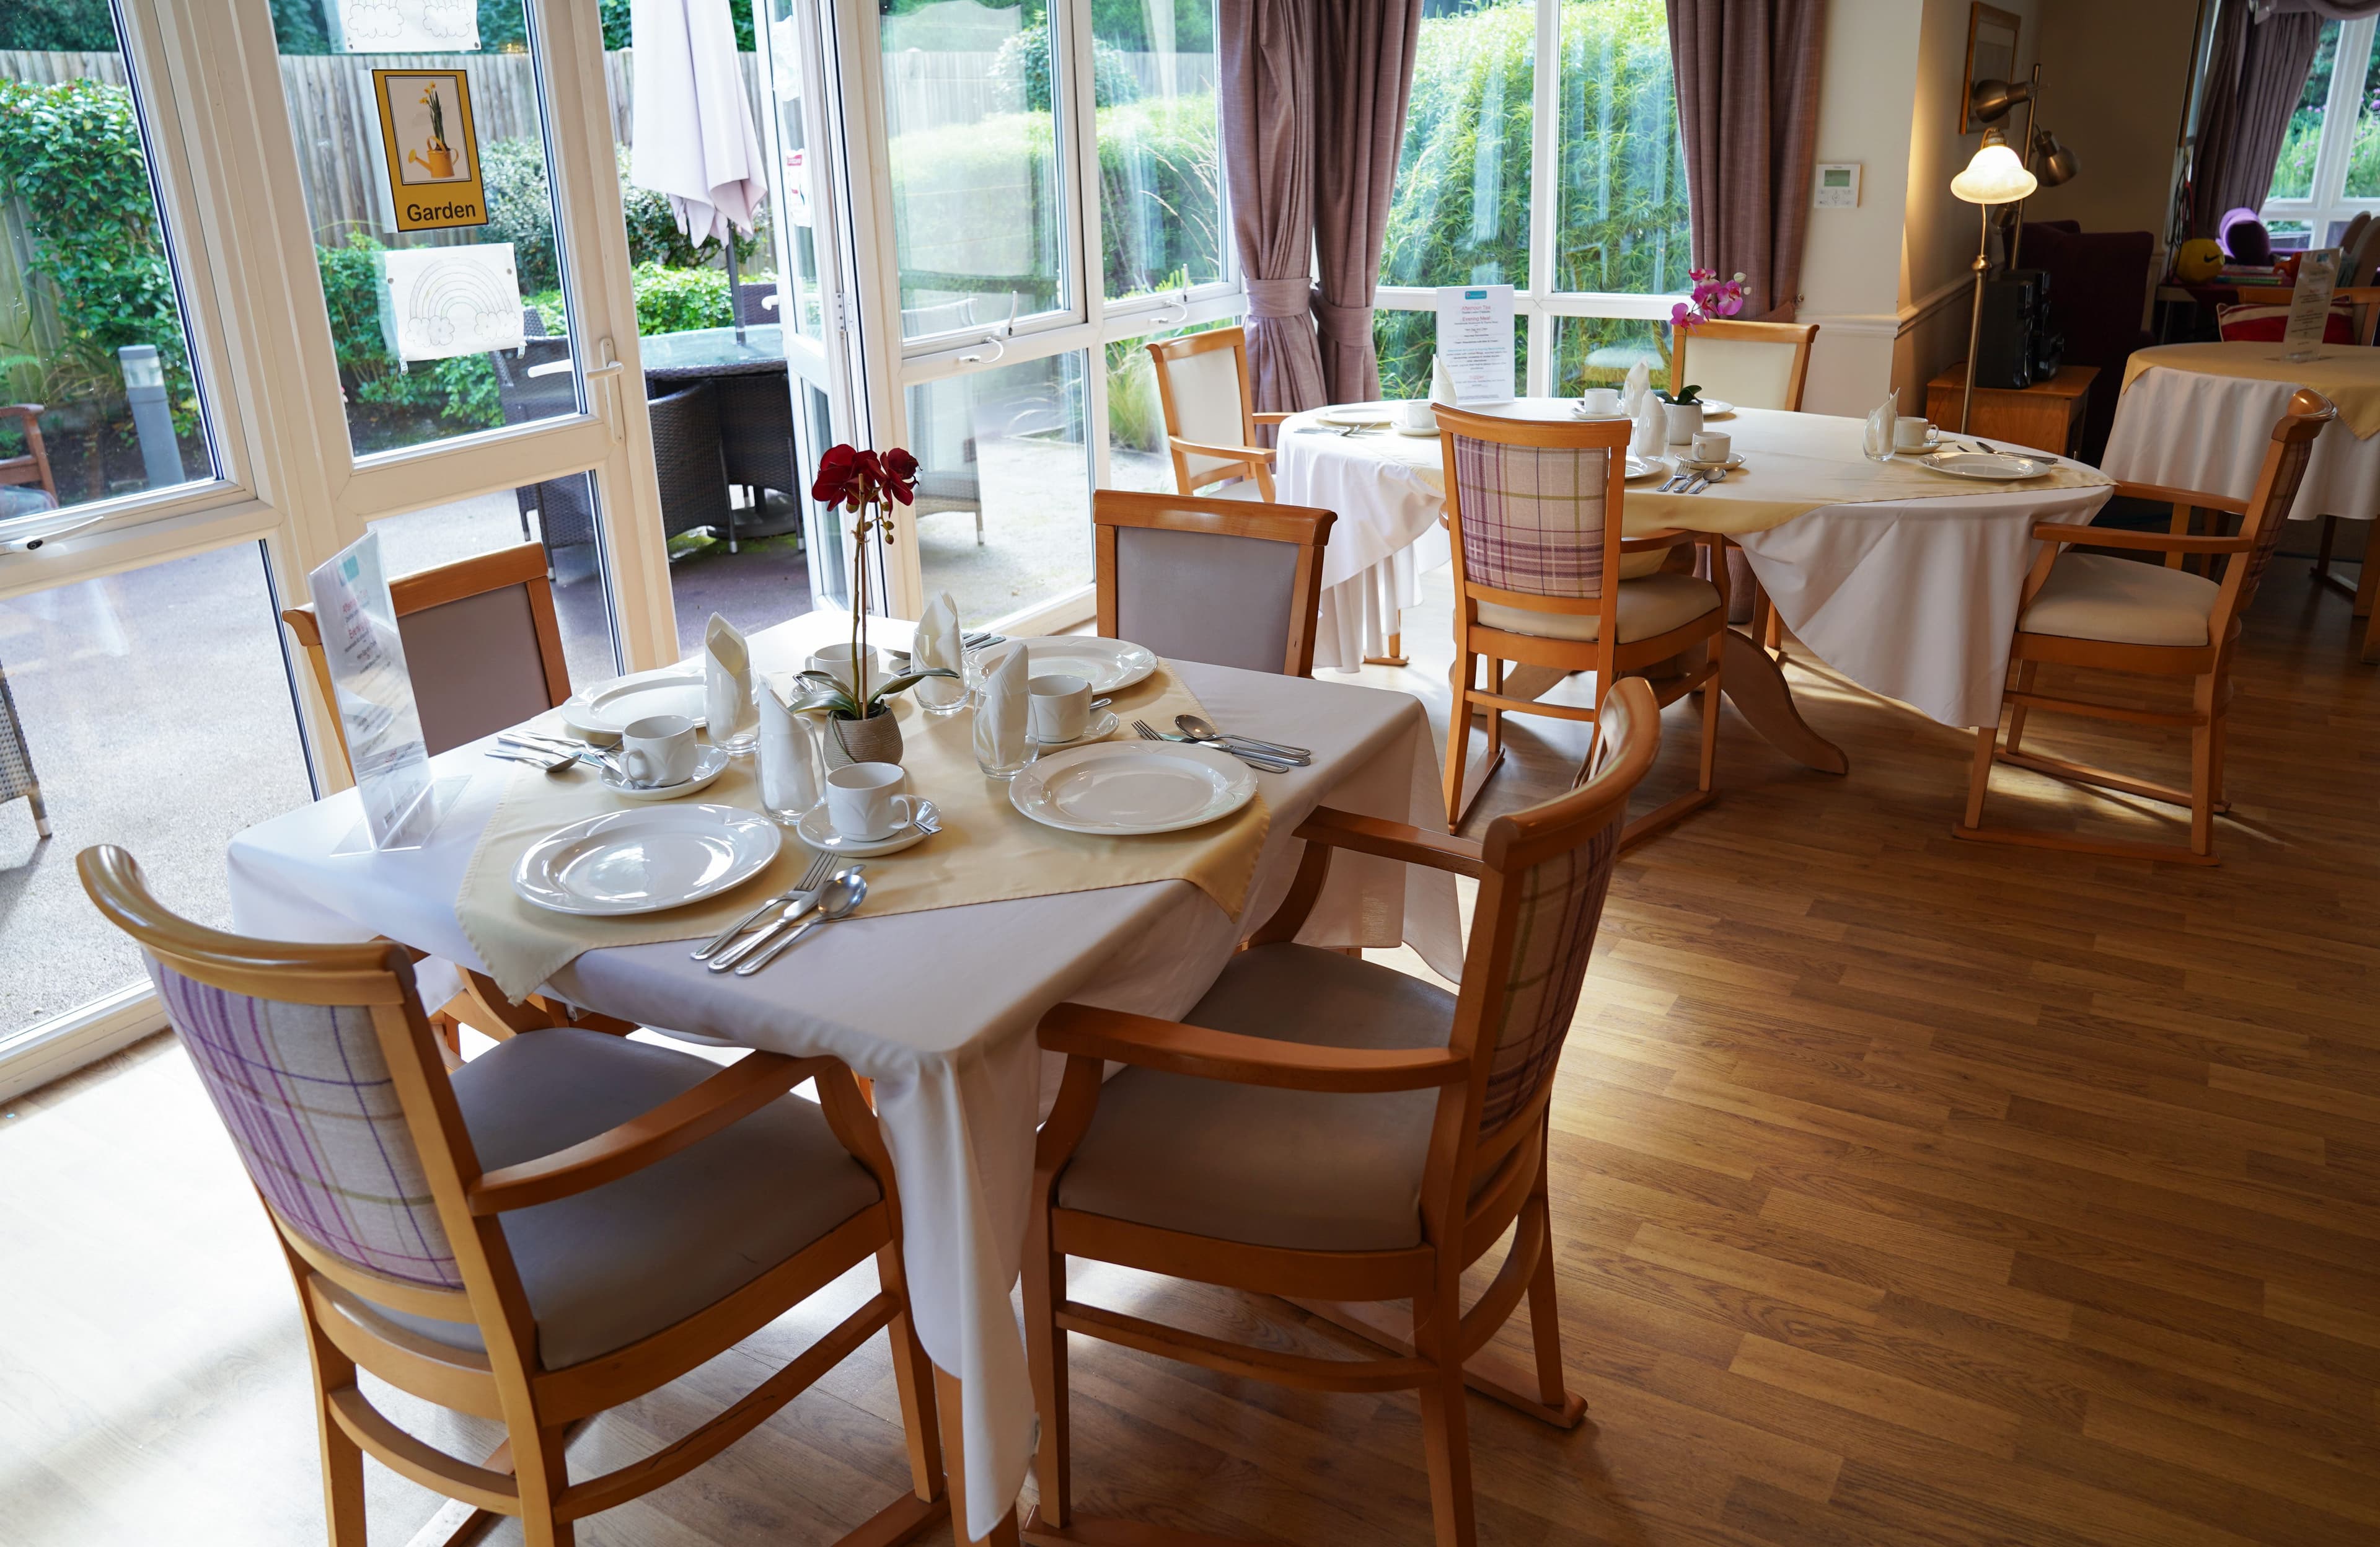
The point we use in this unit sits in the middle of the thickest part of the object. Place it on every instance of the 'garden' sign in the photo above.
(433, 153)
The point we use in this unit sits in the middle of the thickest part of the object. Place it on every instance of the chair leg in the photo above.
(912, 1380)
(946, 1401)
(1458, 737)
(42, 812)
(343, 1459)
(1045, 1353)
(2202, 766)
(2322, 550)
(1445, 1423)
(1979, 783)
(2025, 673)
(1544, 1310)
(541, 1478)
(1495, 716)
(1711, 696)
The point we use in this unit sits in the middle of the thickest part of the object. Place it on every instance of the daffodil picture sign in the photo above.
(433, 150)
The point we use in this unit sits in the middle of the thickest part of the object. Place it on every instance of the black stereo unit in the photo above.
(2016, 346)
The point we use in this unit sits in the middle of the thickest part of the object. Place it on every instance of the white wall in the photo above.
(2115, 76)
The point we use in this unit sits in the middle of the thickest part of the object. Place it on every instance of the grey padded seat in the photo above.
(1648, 607)
(608, 1267)
(2091, 596)
(1270, 1167)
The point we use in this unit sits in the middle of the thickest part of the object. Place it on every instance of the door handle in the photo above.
(608, 375)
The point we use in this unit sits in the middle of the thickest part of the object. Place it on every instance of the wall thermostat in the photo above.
(1836, 186)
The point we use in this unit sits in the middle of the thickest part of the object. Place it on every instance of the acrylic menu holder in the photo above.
(2310, 304)
(374, 698)
(1475, 342)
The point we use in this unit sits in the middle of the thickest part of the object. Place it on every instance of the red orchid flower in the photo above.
(900, 471)
(841, 480)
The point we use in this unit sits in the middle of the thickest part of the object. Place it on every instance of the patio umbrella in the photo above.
(695, 143)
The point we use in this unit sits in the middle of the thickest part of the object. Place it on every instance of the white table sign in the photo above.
(437, 302)
(408, 26)
(365, 658)
(1475, 342)
(2310, 303)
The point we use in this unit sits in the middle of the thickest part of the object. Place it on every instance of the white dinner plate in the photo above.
(1647, 467)
(1717, 408)
(602, 713)
(816, 830)
(710, 763)
(1119, 787)
(1997, 467)
(1369, 413)
(1102, 723)
(1106, 664)
(645, 860)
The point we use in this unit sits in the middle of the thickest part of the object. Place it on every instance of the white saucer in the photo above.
(1429, 429)
(710, 763)
(815, 830)
(1102, 724)
(1687, 464)
(1717, 408)
(643, 861)
(1641, 467)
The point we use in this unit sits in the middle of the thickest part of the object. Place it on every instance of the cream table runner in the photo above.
(987, 851)
(2348, 376)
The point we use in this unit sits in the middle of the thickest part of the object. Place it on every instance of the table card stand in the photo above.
(365, 655)
(2310, 304)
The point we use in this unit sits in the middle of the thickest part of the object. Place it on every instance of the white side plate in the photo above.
(1717, 408)
(1106, 664)
(647, 859)
(1370, 413)
(1647, 467)
(1119, 787)
(602, 713)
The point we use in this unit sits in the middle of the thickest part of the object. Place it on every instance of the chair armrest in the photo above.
(1086, 1031)
(1392, 840)
(733, 1094)
(2160, 494)
(2149, 542)
(1228, 453)
(1271, 419)
(29, 412)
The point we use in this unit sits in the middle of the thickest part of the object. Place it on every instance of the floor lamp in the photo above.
(1994, 177)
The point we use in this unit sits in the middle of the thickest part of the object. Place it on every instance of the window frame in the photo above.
(2326, 201)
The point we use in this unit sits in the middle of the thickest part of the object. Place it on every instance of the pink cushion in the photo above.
(2260, 322)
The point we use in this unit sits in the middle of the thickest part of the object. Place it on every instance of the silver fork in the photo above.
(1274, 765)
(811, 879)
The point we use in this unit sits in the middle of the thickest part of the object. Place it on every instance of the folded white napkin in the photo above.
(938, 644)
(792, 776)
(1878, 441)
(726, 680)
(1640, 382)
(1441, 384)
(1651, 436)
(1000, 713)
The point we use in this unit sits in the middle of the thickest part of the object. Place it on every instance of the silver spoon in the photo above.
(1192, 725)
(838, 899)
(803, 902)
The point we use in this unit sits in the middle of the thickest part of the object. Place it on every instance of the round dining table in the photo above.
(679, 356)
(1904, 580)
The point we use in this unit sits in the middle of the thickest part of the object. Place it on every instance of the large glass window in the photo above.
(1003, 516)
(979, 204)
(97, 395)
(1468, 189)
(2328, 170)
(1161, 169)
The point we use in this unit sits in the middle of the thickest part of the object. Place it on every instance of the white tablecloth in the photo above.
(938, 1008)
(1914, 599)
(2198, 429)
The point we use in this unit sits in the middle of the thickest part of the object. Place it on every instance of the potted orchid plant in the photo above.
(1712, 297)
(859, 719)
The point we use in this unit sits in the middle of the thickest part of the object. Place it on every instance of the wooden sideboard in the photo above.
(2046, 416)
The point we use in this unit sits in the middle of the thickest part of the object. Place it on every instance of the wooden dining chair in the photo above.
(2107, 613)
(564, 1225)
(1752, 365)
(482, 645)
(1215, 580)
(1327, 1128)
(1211, 418)
(1537, 512)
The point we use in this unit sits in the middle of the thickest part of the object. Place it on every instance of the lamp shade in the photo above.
(2057, 163)
(1995, 175)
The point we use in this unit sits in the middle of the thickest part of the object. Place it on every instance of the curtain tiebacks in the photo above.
(1279, 298)
(1348, 325)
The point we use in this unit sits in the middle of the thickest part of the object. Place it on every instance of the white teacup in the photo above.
(1910, 434)
(1712, 445)
(658, 751)
(1059, 707)
(835, 660)
(1416, 414)
(1601, 401)
(867, 800)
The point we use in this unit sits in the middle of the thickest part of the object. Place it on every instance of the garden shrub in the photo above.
(676, 300)
(1023, 63)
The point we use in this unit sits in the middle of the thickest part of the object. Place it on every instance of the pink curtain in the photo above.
(1267, 49)
(1747, 75)
(2253, 79)
(1362, 75)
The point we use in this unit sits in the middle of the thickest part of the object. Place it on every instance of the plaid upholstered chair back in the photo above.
(2277, 487)
(304, 1089)
(1532, 518)
(306, 1095)
(1555, 901)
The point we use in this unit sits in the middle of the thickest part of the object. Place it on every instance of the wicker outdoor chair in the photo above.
(27, 488)
(687, 461)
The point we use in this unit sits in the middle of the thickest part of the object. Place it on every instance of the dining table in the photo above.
(1903, 578)
(936, 1005)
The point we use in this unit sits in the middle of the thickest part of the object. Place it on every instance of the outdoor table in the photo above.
(1914, 598)
(685, 357)
(938, 1008)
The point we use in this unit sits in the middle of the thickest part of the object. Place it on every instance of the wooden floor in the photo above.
(1907, 1191)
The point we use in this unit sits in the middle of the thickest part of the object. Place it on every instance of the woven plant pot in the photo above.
(874, 739)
